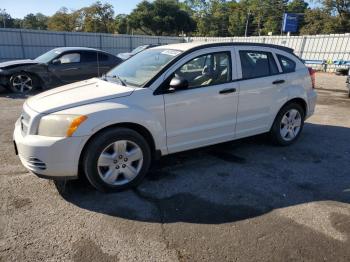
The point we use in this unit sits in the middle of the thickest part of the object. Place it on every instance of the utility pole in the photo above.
(246, 25)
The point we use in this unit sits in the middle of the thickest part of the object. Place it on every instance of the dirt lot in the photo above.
(240, 201)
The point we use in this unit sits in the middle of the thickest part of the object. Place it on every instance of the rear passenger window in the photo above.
(288, 65)
(103, 57)
(88, 57)
(257, 64)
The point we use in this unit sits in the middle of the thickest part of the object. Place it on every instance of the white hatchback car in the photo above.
(161, 101)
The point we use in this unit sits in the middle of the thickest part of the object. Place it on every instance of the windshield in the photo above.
(139, 49)
(142, 67)
(48, 56)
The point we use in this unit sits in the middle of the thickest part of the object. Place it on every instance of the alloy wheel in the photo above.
(290, 125)
(22, 84)
(120, 162)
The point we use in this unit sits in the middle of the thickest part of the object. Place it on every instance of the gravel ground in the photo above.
(240, 201)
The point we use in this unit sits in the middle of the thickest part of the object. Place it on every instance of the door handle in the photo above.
(227, 91)
(71, 68)
(276, 82)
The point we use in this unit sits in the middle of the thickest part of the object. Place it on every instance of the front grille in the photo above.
(35, 163)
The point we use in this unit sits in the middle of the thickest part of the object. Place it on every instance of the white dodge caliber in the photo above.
(161, 101)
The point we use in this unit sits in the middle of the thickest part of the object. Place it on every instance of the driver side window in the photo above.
(70, 58)
(205, 70)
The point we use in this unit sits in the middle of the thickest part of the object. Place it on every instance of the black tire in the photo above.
(275, 133)
(96, 146)
(33, 82)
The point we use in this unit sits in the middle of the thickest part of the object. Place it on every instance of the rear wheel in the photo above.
(22, 83)
(288, 124)
(116, 159)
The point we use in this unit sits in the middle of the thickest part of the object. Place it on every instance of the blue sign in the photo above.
(290, 22)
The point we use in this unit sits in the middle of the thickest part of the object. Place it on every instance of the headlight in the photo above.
(59, 125)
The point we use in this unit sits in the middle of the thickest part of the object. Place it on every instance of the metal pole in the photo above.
(22, 44)
(246, 25)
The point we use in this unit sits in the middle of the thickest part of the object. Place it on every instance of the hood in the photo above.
(14, 63)
(125, 56)
(76, 94)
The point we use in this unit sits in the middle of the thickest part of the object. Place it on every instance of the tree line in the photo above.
(193, 17)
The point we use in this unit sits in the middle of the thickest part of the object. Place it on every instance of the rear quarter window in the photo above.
(287, 64)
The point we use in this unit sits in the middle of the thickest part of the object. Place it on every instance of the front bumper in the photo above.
(50, 157)
(3, 79)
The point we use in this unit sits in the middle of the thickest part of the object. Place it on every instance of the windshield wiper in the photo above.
(117, 77)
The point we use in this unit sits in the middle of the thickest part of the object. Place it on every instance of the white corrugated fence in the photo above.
(323, 51)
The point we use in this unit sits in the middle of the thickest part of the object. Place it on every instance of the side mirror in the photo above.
(178, 83)
(56, 62)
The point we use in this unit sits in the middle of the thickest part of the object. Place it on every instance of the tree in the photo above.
(318, 21)
(63, 20)
(341, 11)
(6, 20)
(161, 17)
(237, 19)
(38, 21)
(98, 18)
(121, 24)
(297, 6)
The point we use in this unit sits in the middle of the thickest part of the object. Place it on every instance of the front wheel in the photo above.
(288, 124)
(116, 159)
(22, 83)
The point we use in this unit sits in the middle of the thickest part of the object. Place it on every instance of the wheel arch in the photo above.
(298, 100)
(143, 131)
(39, 80)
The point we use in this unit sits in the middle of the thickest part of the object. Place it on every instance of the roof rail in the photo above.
(283, 48)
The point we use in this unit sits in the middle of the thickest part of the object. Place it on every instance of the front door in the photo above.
(205, 112)
(67, 67)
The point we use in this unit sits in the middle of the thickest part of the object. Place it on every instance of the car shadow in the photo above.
(231, 181)
(6, 93)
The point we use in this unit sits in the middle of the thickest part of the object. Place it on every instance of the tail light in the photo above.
(312, 74)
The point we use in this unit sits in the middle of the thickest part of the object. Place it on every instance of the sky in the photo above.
(20, 8)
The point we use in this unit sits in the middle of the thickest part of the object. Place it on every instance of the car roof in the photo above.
(199, 45)
(72, 48)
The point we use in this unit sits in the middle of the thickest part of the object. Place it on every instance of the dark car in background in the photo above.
(56, 67)
(138, 49)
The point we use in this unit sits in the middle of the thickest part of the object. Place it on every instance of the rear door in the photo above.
(106, 62)
(89, 65)
(262, 89)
